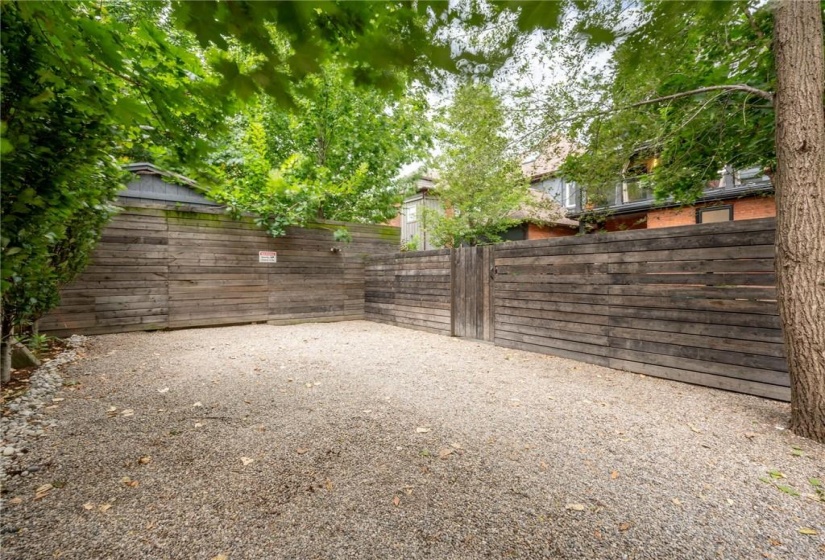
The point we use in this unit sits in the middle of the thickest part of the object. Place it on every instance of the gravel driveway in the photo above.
(359, 440)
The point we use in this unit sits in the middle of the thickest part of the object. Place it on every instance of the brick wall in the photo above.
(546, 232)
(743, 209)
(624, 223)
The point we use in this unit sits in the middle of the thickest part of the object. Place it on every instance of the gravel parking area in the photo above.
(360, 440)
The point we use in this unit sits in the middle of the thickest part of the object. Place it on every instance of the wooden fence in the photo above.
(410, 290)
(694, 303)
(158, 268)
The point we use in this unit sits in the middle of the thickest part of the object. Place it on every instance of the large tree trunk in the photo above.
(800, 198)
(6, 338)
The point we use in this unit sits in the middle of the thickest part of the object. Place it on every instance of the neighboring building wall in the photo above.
(743, 209)
(152, 188)
(412, 219)
(624, 223)
(546, 232)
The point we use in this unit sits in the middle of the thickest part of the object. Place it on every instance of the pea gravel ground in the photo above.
(359, 440)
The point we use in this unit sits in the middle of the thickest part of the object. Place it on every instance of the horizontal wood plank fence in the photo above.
(694, 303)
(159, 268)
(410, 290)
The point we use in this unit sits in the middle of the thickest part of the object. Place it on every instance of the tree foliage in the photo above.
(480, 182)
(81, 84)
(335, 154)
(679, 47)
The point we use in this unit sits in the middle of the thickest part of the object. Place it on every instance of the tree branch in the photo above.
(733, 87)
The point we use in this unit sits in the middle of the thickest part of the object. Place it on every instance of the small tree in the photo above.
(480, 183)
(335, 154)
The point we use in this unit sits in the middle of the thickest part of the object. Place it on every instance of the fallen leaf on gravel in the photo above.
(422, 430)
(676, 501)
(221, 557)
(164, 390)
(787, 490)
(41, 491)
(16, 501)
(129, 482)
(246, 461)
(444, 453)
(309, 385)
(128, 412)
(328, 485)
(104, 507)
(625, 526)
(775, 542)
(145, 460)
(198, 425)
(807, 531)
(614, 475)
(58, 399)
(694, 428)
(730, 502)
(301, 450)
(777, 474)
(198, 405)
(367, 411)
(51, 407)
(751, 435)
(576, 507)
(88, 506)
(112, 409)
(396, 501)
(543, 466)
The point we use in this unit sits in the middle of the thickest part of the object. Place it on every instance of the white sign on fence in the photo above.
(267, 256)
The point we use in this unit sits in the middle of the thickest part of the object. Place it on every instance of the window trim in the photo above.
(700, 211)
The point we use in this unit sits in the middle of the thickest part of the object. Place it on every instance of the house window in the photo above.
(636, 189)
(412, 214)
(714, 214)
(569, 194)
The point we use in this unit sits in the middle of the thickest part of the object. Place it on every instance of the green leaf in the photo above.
(787, 490)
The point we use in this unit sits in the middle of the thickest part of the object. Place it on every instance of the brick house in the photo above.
(737, 195)
(545, 222)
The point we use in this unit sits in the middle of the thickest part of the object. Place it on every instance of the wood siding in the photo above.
(694, 303)
(158, 268)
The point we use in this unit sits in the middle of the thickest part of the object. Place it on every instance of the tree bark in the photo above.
(800, 198)
(6, 339)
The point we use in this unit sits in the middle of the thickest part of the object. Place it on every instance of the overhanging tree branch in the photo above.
(732, 87)
(767, 95)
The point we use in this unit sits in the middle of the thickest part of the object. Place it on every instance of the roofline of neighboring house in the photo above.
(728, 193)
(146, 168)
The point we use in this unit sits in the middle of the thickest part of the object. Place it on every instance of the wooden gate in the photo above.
(471, 293)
